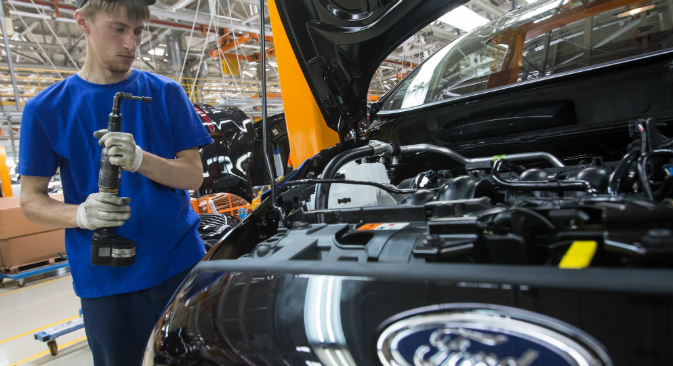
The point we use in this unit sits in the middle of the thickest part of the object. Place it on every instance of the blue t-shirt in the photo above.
(57, 131)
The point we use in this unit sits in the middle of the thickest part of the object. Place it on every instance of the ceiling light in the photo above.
(635, 11)
(146, 58)
(157, 51)
(463, 19)
(180, 5)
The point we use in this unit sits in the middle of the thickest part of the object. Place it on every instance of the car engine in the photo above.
(517, 209)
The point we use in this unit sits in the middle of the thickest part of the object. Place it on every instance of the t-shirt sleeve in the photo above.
(36, 155)
(186, 126)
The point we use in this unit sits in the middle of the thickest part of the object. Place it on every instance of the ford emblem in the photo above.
(484, 335)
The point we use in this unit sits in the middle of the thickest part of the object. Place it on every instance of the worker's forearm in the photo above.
(42, 209)
(174, 173)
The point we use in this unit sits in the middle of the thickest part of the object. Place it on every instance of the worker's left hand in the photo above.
(122, 149)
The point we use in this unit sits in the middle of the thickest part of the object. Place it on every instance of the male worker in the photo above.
(158, 153)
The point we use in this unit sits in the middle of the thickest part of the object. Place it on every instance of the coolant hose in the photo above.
(642, 169)
(409, 149)
(615, 181)
(558, 185)
(374, 148)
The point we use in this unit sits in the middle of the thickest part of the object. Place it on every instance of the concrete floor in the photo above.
(42, 302)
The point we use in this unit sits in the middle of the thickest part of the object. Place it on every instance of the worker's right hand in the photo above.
(103, 210)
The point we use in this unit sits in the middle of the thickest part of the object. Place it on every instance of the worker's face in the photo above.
(113, 39)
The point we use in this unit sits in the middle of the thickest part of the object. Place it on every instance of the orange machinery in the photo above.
(307, 131)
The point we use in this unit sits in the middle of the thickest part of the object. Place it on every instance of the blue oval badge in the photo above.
(483, 334)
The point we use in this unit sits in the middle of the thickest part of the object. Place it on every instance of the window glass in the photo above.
(543, 38)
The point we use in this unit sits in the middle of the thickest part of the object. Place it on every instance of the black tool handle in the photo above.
(107, 248)
(109, 177)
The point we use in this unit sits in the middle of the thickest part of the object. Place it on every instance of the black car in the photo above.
(234, 162)
(507, 203)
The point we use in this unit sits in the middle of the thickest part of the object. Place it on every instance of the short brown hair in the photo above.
(135, 9)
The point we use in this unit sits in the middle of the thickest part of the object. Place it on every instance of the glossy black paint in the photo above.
(341, 43)
(258, 316)
(234, 163)
(227, 161)
(213, 227)
(277, 134)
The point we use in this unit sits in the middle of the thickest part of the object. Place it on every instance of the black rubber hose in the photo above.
(616, 178)
(557, 186)
(666, 189)
(642, 169)
(322, 190)
(355, 182)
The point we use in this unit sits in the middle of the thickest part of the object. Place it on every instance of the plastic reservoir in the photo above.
(349, 195)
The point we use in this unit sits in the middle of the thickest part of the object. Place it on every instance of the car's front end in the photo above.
(502, 205)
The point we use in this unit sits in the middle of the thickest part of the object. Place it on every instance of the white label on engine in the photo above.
(386, 226)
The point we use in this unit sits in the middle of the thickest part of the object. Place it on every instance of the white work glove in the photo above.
(122, 149)
(103, 210)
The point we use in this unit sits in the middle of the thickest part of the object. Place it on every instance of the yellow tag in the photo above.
(579, 255)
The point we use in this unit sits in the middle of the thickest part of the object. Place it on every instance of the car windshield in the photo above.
(544, 38)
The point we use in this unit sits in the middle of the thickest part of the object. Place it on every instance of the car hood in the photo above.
(339, 45)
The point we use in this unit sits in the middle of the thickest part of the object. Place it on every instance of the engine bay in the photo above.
(518, 209)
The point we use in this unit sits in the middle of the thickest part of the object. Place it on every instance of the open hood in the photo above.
(340, 44)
